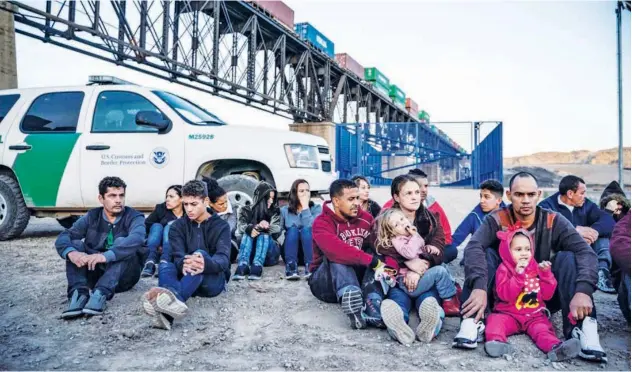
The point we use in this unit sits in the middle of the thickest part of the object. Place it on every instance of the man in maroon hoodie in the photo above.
(339, 263)
(620, 251)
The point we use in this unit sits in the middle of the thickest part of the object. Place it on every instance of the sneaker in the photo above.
(149, 270)
(431, 317)
(307, 274)
(451, 306)
(371, 313)
(589, 339)
(241, 272)
(255, 272)
(96, 304)
(393, 318)
(496, 349)
(160, 320)
(291, 271)
(604, 283)
(168, 303)
(568, 349)
(351, 304)
(470, 334)
(76, 305)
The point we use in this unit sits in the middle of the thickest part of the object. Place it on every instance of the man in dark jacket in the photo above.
(620, 249)
(592, 223)
(556, 240)
(614, 201)
(200, 244)
(491, 198)
(339, 263)
(102, 251)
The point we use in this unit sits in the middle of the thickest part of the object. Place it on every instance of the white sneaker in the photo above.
(470, 334)
(589, 338)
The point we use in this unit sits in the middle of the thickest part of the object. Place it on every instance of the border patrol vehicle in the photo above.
(56, 144)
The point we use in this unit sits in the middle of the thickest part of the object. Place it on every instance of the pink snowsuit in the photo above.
(408, 247)
(519, 304)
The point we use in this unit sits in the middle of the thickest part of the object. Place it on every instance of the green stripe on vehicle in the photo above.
(40, 169)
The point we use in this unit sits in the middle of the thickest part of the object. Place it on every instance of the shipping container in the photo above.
(374, 75)
(412, 112)
(381, 89)
(310, 34)
(345, 61)
(410, 104)
(278, 10)
(423, 115)
(397, 94)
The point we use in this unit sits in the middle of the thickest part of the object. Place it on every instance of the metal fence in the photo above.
(381, 151)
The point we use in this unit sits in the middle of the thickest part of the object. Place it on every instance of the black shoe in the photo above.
(96, 304)
(76, 305)
(149, 270)
(255, 272)
(604, 283)
(372, 314)
(291, 271)
(241, 272)
(351, 304)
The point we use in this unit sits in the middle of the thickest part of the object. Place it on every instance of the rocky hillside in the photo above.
(601, 157)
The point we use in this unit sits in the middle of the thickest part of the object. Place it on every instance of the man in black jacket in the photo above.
(556, 240)
(101, 251)
(200, 245)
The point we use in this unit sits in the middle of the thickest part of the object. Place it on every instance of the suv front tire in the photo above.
(14, 215)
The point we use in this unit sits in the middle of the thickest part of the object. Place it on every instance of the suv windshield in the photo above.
(188, 110)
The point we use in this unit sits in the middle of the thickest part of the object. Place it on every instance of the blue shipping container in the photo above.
(307, 32)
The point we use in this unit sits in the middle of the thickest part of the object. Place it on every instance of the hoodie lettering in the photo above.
(354, 237)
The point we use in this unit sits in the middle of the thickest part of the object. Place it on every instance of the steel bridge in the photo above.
(230, 49)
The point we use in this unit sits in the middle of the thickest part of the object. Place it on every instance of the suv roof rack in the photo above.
(107, 80)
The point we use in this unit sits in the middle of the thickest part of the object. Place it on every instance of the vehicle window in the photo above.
(116, 112)
(53, 113)
(6, 103)
(188, 110)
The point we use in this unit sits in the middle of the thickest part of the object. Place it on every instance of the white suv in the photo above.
(56, 144)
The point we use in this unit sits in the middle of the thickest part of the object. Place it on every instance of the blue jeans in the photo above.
(436, 277)
(154, 240)
(331, 280)
(266, 253)
(167, 255)
(405, 301)
(185, 286)
(109, 278)
(295, 236)
(602, 249)
(450, 252)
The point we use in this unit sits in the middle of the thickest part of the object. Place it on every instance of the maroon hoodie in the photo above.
(620, 243)
(340, 240)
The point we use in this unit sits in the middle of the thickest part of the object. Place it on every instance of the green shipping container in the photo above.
(382, 89)
(423, 115)
(397, 94)
(372, 74)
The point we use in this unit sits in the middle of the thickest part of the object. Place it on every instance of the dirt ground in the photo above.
(268, 325)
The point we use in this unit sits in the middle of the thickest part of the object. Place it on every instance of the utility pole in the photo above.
(620, 92)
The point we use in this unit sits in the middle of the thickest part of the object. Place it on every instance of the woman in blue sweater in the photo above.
(296, 221)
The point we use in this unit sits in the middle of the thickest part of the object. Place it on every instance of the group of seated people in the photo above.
(522, 263)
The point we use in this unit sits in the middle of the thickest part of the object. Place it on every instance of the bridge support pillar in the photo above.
(8, 62)
(326, 130)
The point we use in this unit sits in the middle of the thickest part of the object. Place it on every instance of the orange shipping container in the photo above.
(410, 104)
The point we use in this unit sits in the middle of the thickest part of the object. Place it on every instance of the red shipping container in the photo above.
(345, 60)
(410, 104)
(278, 10)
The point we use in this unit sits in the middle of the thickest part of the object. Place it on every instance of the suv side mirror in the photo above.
(152, 119)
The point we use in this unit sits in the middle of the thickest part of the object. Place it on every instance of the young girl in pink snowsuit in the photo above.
(522, 286)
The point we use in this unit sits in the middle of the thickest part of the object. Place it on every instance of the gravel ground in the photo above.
(269, 325)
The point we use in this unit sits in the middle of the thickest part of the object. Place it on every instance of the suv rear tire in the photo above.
(240, 189)
(14, 215)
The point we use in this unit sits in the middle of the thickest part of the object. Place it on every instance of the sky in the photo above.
(547, 70)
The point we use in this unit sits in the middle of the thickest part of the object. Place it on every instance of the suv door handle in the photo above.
(20, 147)
(97, 147)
